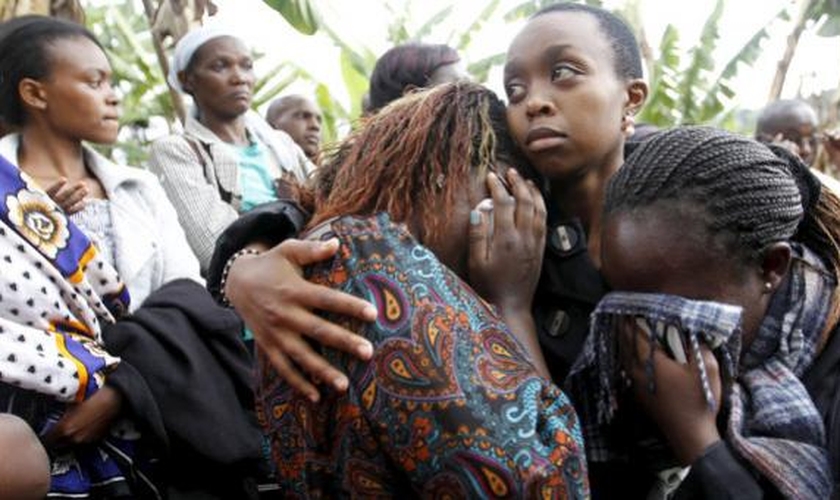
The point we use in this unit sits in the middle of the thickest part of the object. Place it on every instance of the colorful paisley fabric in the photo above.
(450, 406)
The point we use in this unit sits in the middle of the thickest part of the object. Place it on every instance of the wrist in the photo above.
(696, 444)
(228, 272)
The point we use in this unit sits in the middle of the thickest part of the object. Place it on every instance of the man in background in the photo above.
(301, 119)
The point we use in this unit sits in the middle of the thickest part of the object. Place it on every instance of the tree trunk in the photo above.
(792, 42)
(157, 40)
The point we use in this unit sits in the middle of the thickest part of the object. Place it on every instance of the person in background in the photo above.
(105, 381)
(301, 118)
(794, 123)
(228, 160)
(410, 66)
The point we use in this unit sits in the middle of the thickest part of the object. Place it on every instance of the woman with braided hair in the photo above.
(452, 403)
(723, 259)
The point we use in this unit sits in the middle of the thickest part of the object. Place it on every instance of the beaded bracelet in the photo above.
(226, 270)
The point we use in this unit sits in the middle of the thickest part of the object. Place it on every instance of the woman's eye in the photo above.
(562, 72)
(514, 91)
(248, 65)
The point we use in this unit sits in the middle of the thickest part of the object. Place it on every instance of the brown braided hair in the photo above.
(417, 155)
(749, 195)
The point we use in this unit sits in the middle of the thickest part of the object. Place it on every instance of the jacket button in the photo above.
(564, 239)
(559, 323)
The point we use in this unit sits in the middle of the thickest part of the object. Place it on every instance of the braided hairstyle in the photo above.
(418, 155)
(749, 195)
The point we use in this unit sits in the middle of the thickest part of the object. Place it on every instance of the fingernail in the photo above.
(370, 313)
(364, 350)
(314, 397)
(340, 383)
(331, 243)
(475, 218)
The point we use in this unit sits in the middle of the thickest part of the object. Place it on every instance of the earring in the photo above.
(628, 124)
(768, 287)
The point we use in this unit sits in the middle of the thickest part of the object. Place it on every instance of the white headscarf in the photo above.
(186, 47)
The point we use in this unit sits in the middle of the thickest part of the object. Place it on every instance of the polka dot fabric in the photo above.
(55, 291)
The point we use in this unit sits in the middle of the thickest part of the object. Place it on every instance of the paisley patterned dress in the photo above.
(450, 406)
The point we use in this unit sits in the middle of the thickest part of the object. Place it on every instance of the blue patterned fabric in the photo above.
(772, 423)
(450, 406)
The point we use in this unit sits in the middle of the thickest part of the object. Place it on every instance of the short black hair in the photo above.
(403, 65)
(24, 53)
(628, 60)
(776, 115)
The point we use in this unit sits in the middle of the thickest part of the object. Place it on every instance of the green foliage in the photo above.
(301, 14)
(693, 90)
(357, 63)
(137, 76)
(827, 12)
(529, 8)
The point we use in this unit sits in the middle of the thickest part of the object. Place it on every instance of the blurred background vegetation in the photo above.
(688, 85)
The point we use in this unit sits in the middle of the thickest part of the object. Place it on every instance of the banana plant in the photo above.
(689, 88)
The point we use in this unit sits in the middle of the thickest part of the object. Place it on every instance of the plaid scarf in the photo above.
(772, 423)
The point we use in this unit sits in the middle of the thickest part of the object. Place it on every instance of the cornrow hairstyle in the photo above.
(25, 53)
(417, 155)
(403, 65)
(628, 61)
(750, 195)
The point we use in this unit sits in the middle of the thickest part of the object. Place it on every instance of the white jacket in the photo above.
(151, 248)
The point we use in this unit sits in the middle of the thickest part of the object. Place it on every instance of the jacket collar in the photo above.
(110, 175)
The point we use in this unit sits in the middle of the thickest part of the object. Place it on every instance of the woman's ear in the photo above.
(637, 92)
(410, 89)
(186, 84)
(32, 94)
(775, 263)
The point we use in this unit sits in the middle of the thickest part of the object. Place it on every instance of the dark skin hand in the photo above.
(519, 226)
(88, 421)
(70, 197)
(678, 405)
(276, 311)
(282, 314)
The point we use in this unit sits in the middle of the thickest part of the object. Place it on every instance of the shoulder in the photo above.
(172, 142)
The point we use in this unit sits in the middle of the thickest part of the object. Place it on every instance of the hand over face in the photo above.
(506, 252)
(677, 404)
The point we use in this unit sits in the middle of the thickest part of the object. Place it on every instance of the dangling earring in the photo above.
(628, 124)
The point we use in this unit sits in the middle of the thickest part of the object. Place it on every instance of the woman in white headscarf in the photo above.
(228, 160)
